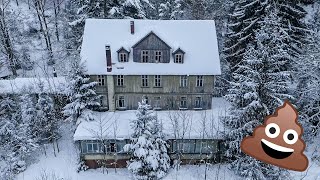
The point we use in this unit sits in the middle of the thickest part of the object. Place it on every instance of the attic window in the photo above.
(158, 56)
(178, 58)
(145, 56)
(123, 57)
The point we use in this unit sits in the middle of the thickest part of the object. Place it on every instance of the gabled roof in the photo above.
(196, 37)
(122, 48)
(178, 50)
(148, 35)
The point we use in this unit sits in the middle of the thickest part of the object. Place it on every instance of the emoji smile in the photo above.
(275, 151)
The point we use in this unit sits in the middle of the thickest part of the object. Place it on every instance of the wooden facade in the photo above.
(167, 96)
(151, 43)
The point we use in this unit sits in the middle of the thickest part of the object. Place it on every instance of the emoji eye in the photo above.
(272, 130)
(290, 136)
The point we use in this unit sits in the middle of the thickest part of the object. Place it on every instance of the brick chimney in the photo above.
(108, 58)
(132, 27)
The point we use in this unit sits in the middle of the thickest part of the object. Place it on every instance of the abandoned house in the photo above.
(171, 68)
(157, 60)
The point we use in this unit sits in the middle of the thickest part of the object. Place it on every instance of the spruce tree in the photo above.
(148, 150)
(47, 123)
(243, 22)
(172, 9)
(82, 95)
(292, 16)
(15, 138)
(308, 78)
(260, 84)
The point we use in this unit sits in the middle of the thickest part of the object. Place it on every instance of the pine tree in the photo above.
(172, 9)
(136, 9)
(148, 150)
(28, 112)
(15, 138)
(83, 95)
(260, 83)
(243, 21)
(292, 14)
(46, 124)
(247, 18)
(308, 76)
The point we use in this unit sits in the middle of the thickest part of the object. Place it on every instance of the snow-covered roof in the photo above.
(117, 125)
(197, 38)
(54, 85)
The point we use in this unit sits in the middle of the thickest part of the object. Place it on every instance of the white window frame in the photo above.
(121, 98)
(183, 81)
(91, 144)
(199, 101)
(120, 80)
(145, 56)
(199, 81)
(178, 58)
(144, 80)
(183, 99)
(157, 80)
(123, 57)
(158, 56)
(101, 80)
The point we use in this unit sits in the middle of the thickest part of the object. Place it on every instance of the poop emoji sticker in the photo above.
(278, 141)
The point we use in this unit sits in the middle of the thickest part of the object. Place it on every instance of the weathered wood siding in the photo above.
(170, 91)
(152, 43)
(101, 90)
(170, 84)
(167, 102)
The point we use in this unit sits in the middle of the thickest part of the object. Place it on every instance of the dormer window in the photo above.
(178, 56)
(144, 56)
(123, 55)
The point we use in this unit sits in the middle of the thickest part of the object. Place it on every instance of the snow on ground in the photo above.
(32, 85)
(64, 166)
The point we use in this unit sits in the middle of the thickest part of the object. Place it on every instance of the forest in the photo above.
(269, 52)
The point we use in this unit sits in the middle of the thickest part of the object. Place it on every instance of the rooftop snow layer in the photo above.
(56, 85)
(196, 37)
(117, 125)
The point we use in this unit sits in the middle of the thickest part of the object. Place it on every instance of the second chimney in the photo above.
(108, 58)
(132, 27)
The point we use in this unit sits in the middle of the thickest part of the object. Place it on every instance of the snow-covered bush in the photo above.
(82, 166)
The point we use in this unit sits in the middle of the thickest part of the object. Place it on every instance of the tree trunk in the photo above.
(39, 6)
(6, 41)
(105, 12)
(56, 5)
(54, 149)
(57, 146)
